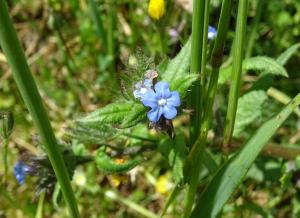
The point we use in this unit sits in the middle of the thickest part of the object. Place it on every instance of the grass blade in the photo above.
(136, 207)
(25, 82)
(231, 174)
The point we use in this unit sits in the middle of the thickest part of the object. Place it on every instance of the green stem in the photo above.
(98, 23)
(110, 35)
(197, 43)
(5, 153)
(253, 32)
(28, 89)
(39, 211)
(195, 158)
(204, 58)
(282, 98)
(238, 54)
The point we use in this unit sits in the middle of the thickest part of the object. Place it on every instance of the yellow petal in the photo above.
(156, 9)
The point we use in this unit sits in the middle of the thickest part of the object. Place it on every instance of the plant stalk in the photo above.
(196, 54)
(204, 59)
(28, 89)
(238, 54)
(195, 158)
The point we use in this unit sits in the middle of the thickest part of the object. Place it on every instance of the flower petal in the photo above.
(148, 83)
(174, 100)
(154, 114)
(163, 89)
(137, 93)
(169, 112)
(149, 99)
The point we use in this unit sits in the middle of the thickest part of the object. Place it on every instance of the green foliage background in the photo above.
(80, 69)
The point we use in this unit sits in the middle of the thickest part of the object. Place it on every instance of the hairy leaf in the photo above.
(286, 55)
(108, 165)
(265, 65)
(249, 109)
(136, 115)
(232, 173)
(110, 114)
(179, 66)
(182, 84)
(260, 64)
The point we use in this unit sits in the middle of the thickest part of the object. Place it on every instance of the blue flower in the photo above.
(142, 88)
(212, 33)
(20, 170)
(162, 102)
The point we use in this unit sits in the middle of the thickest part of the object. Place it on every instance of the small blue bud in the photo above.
(142, 88)
(20, 170)
(212, 33)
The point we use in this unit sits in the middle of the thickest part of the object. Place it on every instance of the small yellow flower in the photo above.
(156, 9)
(163, 184)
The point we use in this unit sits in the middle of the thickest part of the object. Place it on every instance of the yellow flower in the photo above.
(163, 184)
(156, 9)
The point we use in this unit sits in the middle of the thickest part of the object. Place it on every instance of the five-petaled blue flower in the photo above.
(162, 102)
(212, 33)
(142, 88)
(20, 170)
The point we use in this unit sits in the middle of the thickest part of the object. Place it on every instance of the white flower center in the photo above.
(211, 35)
(162, 102)
(143, 90)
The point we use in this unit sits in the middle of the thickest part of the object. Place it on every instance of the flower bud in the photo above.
(6, 124)
(156, 9)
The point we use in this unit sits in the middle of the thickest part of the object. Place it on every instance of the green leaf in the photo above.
(136, 115)
(249, 109)
(113, 113)
(175, 152)
(265, 65)
(89, 133)
(232, 173)
(108, 165)
(107, 122)
(285, 56)
(179, 66)
(182, 84)
(261, 64)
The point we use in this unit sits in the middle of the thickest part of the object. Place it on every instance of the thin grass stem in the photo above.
(204, 58)
(238, 54)
(39, 211)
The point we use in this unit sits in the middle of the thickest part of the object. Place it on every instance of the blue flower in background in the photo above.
(142, 88)
(212, 33)
(20, 170)
(162, 102)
